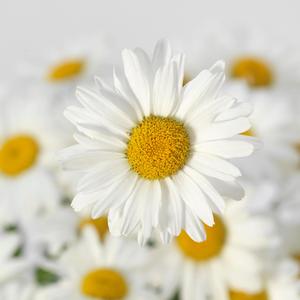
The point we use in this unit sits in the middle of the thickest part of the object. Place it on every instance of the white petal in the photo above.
(208, 170)
(116, 196)
(108, 106)
(192, 195)
(103, 175)
(137, 78)
(223, 130)
(165, 94)
(218, 164)
(122, 87)
(226, 149)
(207, 188)
(162, 54)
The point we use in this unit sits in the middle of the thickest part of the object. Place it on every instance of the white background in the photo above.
(30, 26)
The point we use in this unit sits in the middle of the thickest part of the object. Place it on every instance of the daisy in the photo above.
(95, 270)
(250, 56)
(274, 122)
(232, 259)
(49, 233)
(69, 64)
(17, 278)
(155, 154)
(282, 283)
(28, 142)
(282, 204)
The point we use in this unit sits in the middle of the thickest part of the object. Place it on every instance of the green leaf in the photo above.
(11, 228)
(18, 252)
(44, 277)
(176, 296)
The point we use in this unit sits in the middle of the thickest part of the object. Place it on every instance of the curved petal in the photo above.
(192, 195)
(138, 79)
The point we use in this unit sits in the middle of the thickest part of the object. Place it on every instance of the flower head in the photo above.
(154, 153)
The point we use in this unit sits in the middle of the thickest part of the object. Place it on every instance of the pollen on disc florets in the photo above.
(158, 147)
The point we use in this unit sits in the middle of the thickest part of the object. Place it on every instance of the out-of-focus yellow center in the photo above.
(105, 284)
(186, 78)
(211, 247)
(66, 70)
(100, 224)
(255, 71)
(237, 295)
(158, 147)
(18, 154)
(249, 133)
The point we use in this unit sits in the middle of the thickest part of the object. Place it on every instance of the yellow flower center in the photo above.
(255, 71)
(100, 224)
(237, 295)
(158, 147)
(211, 247)
(105, 284)
(249, 133)
(66, 70)
(18, 154)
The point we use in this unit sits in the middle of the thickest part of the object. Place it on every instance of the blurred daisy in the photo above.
(17, 279)
(95, 270)
(50, 233)
(233, 258)
(282, 283)
(273, 122)
(155, 153)
(72, 62)
(281, 202)
(28, 142)
(249, 56)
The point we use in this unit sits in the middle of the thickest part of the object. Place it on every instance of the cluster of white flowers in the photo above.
(132, 193)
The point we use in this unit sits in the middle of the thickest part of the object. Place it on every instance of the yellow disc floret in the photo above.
(105, 284)
(66, 70)
(100, 224)
(207, 249)
(158, 147)
(255, 71)
(237, 295)
(18, 154)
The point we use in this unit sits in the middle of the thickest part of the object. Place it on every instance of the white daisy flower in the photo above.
(273, 122)
(282, 283)
(250, 56)
(28, 142)
(70, 63)
(232, 259)
(282, 204)
(17, 279)
(155, 154)
(50, 233)
(95, 270)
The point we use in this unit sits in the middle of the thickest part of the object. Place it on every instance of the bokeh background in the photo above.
(28, 27)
